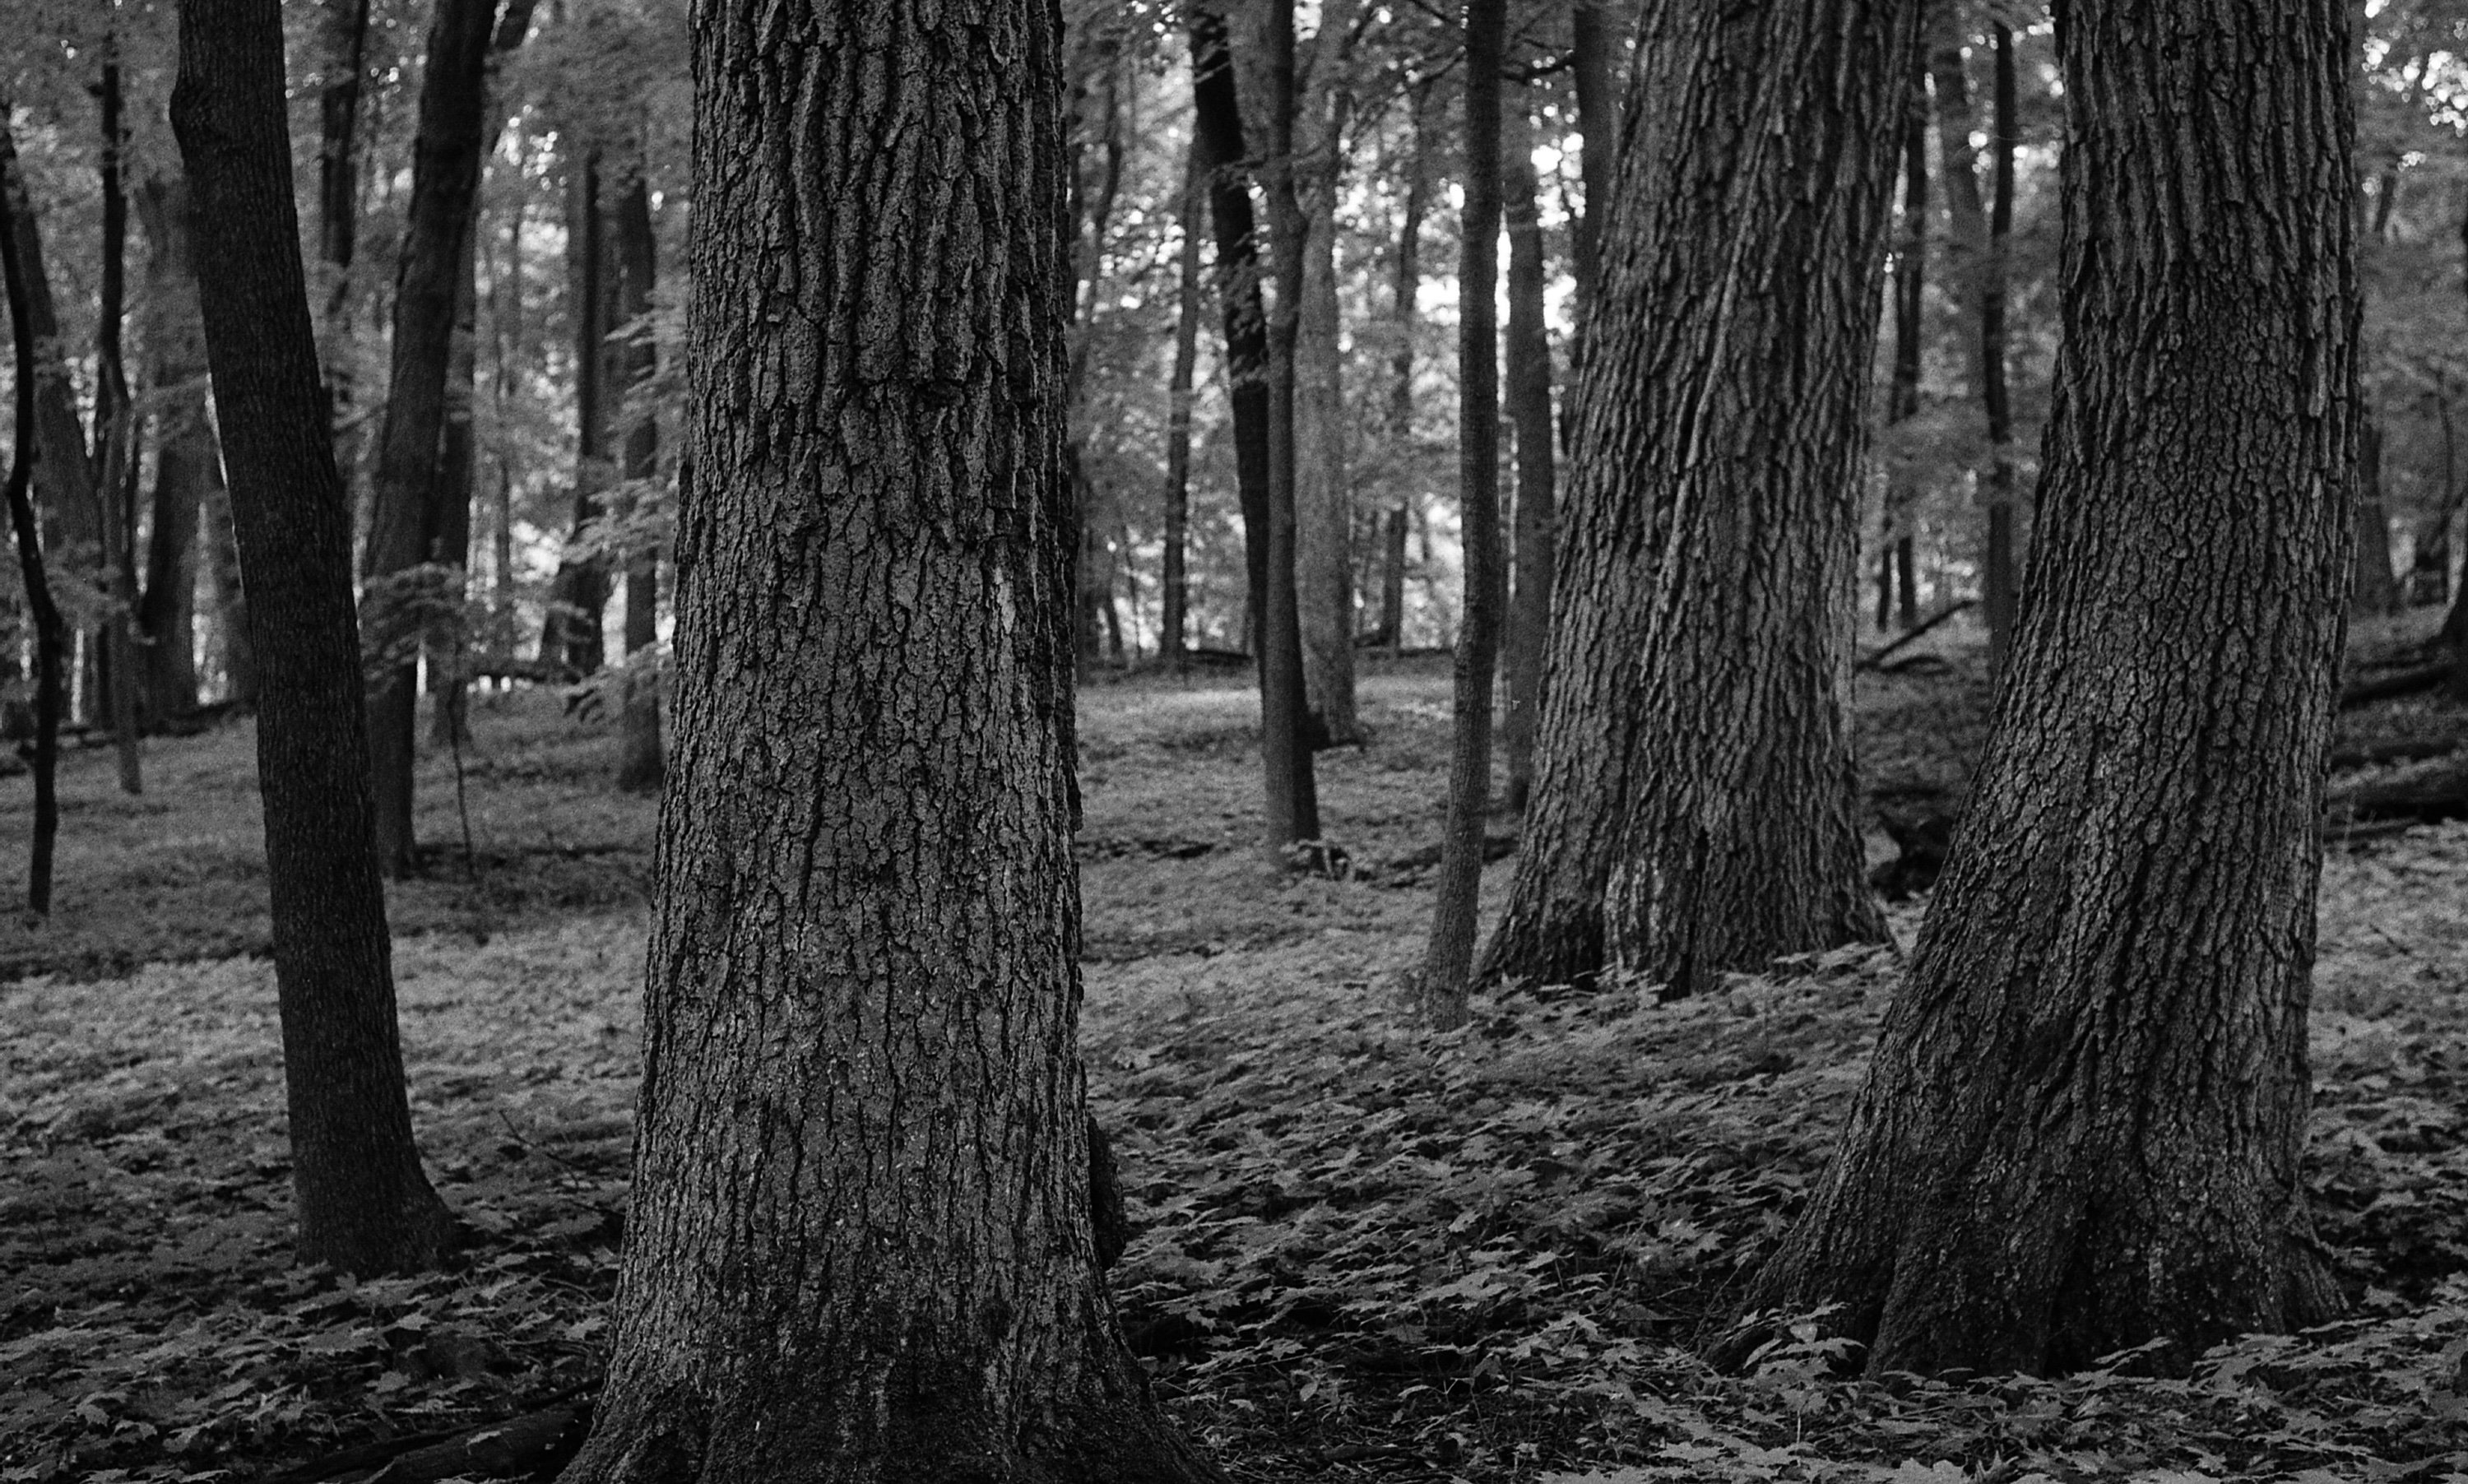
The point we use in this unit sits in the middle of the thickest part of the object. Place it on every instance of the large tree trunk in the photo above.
(1693, 783)
(860, 1244)
(1449, 957)
(578, 596)
(364, 1204)
(2082, 1124)
(187, 464)
(407, 518)
(640, 763)
(1529, 408)
(1170, 639)
(1323, 484)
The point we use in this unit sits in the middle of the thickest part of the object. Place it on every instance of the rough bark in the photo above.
(1529, 409)
(860, 1245)
(2081, 1127)
(187, 461)
(405, 521)
(1457, 894)
(1693, 782)
(50, 631)
(640, 761)
(1323, 484)
(1177, 431)
(364, 1204)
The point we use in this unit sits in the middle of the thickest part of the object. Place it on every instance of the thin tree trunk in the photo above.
(640, 764)
(1178, 432)
(859, 1240)
(1592, 46)
(579, 597)
(2004, 587)
(1902, 398)
(458, 468)
(1285, 740)
(50, 631)
(1529, 408)
(1449, 960)
(221, 553)
(2082, 1126)
(1323, 486)
(2375, 589)
(1404, 316)
(1693, 779)
(365, 1206)
(115, 441)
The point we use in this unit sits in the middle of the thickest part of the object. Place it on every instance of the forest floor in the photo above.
(1362, 1252)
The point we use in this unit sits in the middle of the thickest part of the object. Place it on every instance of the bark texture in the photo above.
(1693, 782)
(2082, 1125)
(365, 1206)
(861, 1246)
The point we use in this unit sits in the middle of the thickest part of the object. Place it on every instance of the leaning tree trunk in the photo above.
(2081, 1128)
(1693, 784)
(405, 522)
(860, 1244)
(364, 1204)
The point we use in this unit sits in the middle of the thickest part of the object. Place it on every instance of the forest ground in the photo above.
(1362, 1252)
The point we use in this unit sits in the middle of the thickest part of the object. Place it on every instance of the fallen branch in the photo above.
(1877, 659)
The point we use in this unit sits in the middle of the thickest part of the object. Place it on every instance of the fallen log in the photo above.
(532, 1445)
(1876, 658)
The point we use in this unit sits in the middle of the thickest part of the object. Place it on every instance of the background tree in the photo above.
(1529, 408)
(1692, 802)
(2080, 1129)
(51, 633)
(364, 1204)
(890, 1273)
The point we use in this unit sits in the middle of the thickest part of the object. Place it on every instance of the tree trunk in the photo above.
(221, 553)
(860, 1244)
(399, 593)
(50, 631)
(343, 32)
(1406, 315)
(365, 1206)
(1285, 719)
(1529, 408)
(1170, 639)
(458, 470)
(1217, 131)
(2082, 1124)
(1693, 782)
(188, 463)
(1449, 960)
(1593, 48)
(1323, 486)
(2003, 593)
(1903, 398)
(2375, 589)
(640, 762)
(115, 439)
(579, 595)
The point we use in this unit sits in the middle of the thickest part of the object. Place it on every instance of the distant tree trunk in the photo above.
(2003, 588)
(1902, 398)
(860, 1243)
(221, 551)
(579, 595)
(1171, 640)
(1323, 484)
(2082, 1126)
(1449, 960)
(115, 438)
(50, 631)
(1529, 408)
(458, 470)
(407, 516)
(640, 763)
(1092, 212)
(343, 32)
(188, 463)
(1592, 50)
(1405, 315)
(1693, 779)
(365, 1207)
(2375, 589)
